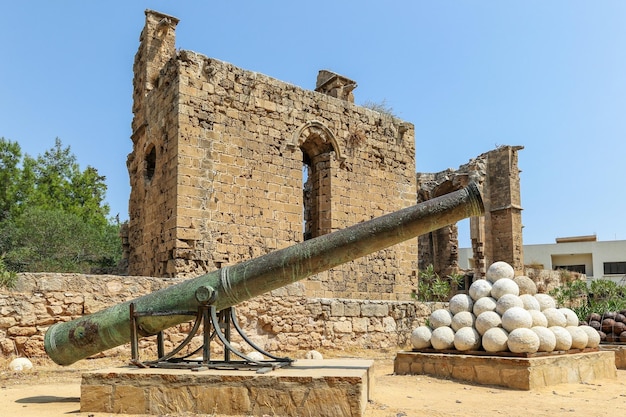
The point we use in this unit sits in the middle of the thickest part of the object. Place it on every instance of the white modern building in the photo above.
(584, 254)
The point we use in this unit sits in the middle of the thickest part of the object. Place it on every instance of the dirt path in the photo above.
(53, 391)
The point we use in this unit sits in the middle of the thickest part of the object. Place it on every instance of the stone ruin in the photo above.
(497, 236)
(228, 164)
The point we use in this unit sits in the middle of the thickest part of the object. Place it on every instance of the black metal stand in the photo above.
(214, 324)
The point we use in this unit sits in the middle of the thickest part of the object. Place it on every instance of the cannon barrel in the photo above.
(68, 342)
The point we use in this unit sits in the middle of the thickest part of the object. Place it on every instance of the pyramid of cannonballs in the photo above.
(504, 313)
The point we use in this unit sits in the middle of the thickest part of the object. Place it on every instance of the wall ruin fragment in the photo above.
(496, 236)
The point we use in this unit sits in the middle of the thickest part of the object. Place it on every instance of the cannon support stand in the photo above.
(214, 323)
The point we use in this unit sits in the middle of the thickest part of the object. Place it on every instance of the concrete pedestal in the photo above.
(331, 387)
(524, 373)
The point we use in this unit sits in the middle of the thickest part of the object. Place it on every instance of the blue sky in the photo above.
(471, 75)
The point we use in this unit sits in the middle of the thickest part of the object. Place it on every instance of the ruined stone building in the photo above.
(228, 164)
(496, 236)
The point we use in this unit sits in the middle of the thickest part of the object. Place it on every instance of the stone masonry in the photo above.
(284, 320)
(496, 236)
(229, 164)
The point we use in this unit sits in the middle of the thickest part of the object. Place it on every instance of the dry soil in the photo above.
(53, 391)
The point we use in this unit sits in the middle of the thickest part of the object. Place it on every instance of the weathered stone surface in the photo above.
(128, 399)
(96, 397)
(620, 354)
(331, 388)
(523, 373)
(497, 236)
(276, 322)
(230, 146)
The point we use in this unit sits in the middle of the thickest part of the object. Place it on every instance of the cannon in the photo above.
(68, 342)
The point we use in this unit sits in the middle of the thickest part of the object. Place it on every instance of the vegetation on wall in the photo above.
(380, 106)
(53, 217)
(432, 287)
(8, 279)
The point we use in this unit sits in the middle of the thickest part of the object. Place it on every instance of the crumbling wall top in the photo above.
(335, 85)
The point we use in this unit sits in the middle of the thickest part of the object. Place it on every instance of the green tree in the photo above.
(431, 287)
(53, 214)
(56, 181)
(10, 156)
(54, 240)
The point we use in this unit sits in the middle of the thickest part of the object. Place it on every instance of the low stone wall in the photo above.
(283, 320)
(547, 280)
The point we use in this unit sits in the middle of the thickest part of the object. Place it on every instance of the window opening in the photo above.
(150, 163)
(612, 268)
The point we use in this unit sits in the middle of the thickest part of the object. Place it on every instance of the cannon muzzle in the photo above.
(69, 342)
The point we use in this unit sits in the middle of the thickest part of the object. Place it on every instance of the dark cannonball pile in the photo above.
(611, 325)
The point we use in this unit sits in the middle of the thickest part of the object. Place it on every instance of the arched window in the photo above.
(316, 190)
(320, 153)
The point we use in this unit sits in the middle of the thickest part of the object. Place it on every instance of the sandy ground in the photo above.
(53, 391)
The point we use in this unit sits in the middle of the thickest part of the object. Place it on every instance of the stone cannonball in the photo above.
(460, 302)
(479, 289)
(255, 356)
(499, 270)
(545, 301)
(487, 320)
(593, 337)
(484, 304)
(467, 338)
(313, 354)
(504, 286)
(547, 339)
(442, 338)
(570, 317)
(526, 285)
(496, 340)
(507, 301)
(579, 337)
(440, 318)
(523, 340)
(554, 317)
(530, 302)
(20, 364)
(563, 338)
(420, 337)
(539, 319)
(516, 318)
(462, 319)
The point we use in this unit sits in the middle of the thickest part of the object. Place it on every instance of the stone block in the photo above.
(128, 399)
(620, 354)
(96, 398)
(374, 310)
(352, 309)
(522, 373)
(360, 324)
(337, 308)
(342, 327)
(331, 388)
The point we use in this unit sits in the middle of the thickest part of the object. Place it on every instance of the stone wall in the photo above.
(548, 280)
(229, 164)
(281, 321)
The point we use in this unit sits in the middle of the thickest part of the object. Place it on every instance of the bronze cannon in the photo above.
(68, 342)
